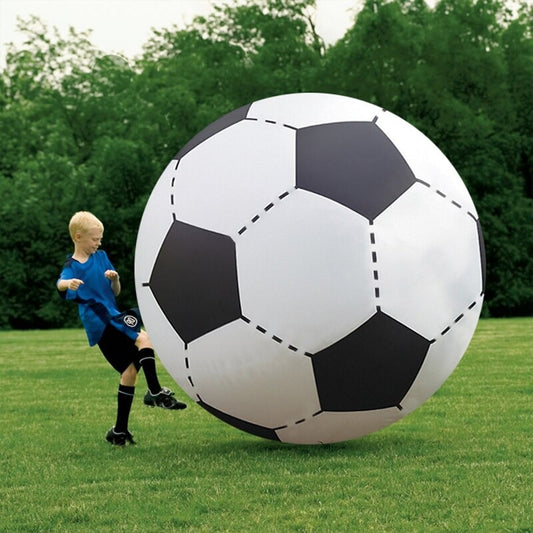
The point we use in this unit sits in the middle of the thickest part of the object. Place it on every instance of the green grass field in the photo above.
(461, 462)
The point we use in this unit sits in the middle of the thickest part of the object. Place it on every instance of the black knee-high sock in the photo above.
(125, 399)
(147, 361)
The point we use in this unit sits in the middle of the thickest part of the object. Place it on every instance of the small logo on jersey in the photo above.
(130, 321)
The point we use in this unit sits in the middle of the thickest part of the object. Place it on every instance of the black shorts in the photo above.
(119, 349)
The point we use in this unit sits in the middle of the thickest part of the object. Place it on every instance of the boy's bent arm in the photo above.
(114, 278)
(115, 286)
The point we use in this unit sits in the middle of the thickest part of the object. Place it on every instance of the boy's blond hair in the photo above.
(82, 222)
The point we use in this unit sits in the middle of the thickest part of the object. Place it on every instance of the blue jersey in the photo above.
(96, 302)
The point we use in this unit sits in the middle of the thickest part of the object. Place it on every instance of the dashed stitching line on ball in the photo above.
(455, 321)
(299, 421)
(444, 196)
(375, 271)
(272, 122)
(172, 183)
(275, 338)
(189, 377)
(267, 208)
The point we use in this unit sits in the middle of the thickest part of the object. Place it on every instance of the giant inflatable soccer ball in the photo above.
(310, 268)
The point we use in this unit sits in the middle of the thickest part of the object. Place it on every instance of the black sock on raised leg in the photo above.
(147, 361)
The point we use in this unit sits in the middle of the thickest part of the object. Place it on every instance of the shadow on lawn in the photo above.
(399, 446)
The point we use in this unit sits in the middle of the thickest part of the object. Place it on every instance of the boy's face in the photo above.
(88, 242)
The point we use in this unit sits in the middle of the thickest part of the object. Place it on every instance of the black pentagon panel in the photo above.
(194, 280)
(482, 256)
(371, 368)
(254, 429)
(353, 163)
(221, 124)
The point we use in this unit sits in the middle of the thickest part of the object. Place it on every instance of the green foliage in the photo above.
(80, 129)
(461, 462)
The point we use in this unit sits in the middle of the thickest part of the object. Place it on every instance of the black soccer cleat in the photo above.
(164, 399)
(119, 438)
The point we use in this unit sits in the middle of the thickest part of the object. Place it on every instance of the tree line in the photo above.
(80, 129)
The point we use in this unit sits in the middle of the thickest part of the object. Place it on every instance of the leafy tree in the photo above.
(378, 57)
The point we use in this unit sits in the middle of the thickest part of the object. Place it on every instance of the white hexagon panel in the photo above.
(310, 268)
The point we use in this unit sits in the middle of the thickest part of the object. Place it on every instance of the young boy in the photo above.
(89, 279)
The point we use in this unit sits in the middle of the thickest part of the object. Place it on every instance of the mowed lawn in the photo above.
(462, 462)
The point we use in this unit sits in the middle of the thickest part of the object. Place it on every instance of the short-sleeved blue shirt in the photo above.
(95, 298)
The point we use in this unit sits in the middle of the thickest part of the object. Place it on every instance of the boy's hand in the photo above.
(111, 275)
(74, 284)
